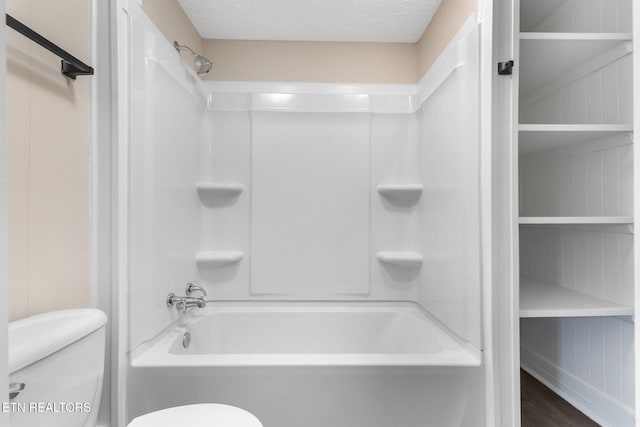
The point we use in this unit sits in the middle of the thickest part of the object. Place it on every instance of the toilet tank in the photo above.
(59, 358)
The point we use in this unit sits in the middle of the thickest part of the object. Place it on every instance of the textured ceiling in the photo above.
(311, 20)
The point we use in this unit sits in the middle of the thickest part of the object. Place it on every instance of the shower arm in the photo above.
(180, 47)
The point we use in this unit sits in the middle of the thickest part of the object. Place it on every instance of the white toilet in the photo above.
(56, 363)
(201, 415)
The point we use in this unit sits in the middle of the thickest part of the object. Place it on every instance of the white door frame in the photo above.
(4, 244)
(506, 319)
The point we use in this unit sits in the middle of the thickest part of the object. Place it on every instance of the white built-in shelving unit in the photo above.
(575, 190)
(557, 54)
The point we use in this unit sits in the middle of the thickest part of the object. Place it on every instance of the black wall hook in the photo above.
(505, 68)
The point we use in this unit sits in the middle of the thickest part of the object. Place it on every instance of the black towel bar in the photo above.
(71, 66)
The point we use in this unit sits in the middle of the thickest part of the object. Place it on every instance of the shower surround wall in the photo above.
(315, 192)
(310, 222)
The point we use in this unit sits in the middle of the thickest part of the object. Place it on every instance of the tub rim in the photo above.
(156, 353)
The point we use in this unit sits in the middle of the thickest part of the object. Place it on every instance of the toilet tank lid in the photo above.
(35, 337)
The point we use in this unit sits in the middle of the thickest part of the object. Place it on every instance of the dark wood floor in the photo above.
(543, 408)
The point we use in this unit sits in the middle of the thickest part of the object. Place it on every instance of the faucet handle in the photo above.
(191, 288)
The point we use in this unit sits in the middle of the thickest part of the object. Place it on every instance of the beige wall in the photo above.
(48, 149)
(445, 24)
(312, 61)
(315, 61)
(174, 24)
(287, 61)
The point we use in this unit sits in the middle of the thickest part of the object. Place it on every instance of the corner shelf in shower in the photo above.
(406, 192)
(545, 300)
(218, 258)
(401, 259)
(218, 190)
(539, 137)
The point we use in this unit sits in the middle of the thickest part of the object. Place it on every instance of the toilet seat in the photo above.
(201, 415)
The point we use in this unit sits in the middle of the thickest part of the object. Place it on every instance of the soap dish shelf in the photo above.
(218, 258)
(406, 192)
(218, 190)
(401, 259)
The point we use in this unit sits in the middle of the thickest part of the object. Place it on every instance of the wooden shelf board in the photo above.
(544, 300)
(576, 220)
(537, 138)
(575, 36)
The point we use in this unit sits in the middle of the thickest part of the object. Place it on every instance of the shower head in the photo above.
(203, 65)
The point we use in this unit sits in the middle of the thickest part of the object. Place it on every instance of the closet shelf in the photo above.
(401, 259)
(535, 138)
(406, 192)
(547, 57)
(218, 258)
(575, 36)
(576, 220)
(544, 300)
(219, 190)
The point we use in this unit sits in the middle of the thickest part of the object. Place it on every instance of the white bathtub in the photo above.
(313, 364)
(307, 334)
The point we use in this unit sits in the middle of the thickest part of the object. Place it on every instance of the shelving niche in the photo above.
(576, 197)
(574, 55)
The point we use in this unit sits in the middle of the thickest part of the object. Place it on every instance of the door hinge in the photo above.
(505, 68)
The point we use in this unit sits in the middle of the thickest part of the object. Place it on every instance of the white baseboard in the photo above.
(592, 402)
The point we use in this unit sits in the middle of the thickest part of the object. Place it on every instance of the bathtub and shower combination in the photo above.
(334, 227)
(312, 363)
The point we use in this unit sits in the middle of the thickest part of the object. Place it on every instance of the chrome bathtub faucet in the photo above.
(186, 302)
(191, 288)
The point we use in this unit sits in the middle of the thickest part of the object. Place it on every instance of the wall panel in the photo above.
(165, 152)
(48, 132)
(310, 204)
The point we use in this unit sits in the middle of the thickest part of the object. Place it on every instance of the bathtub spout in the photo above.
(185, 303)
